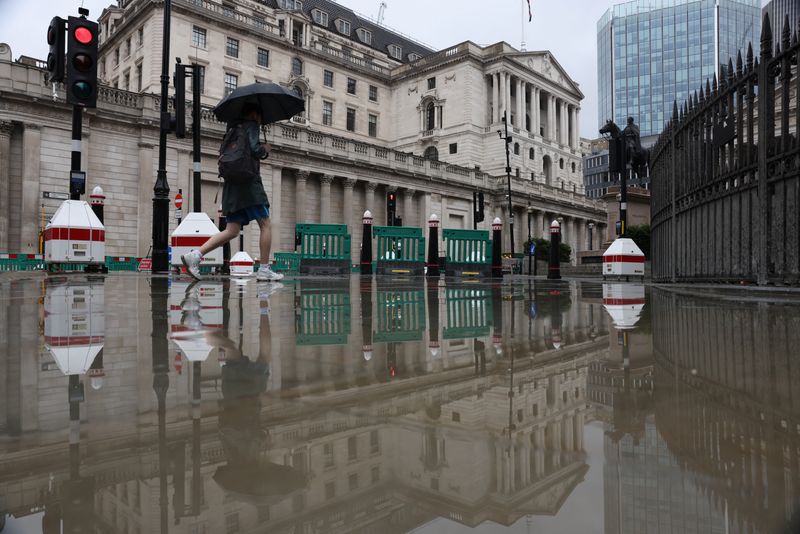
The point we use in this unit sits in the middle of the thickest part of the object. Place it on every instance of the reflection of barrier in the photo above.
(401, 316)
(401, 250)
(467, 252)
(324, 248)
(323, 316)
(469, 312)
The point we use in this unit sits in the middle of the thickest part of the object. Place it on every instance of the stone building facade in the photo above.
(383, 113)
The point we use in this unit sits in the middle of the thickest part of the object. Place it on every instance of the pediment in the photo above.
(547, 66)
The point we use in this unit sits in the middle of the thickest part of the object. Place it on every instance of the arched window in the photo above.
(573, 166)
(430, 116)
(516, 149)
(530, 153)
(560, 163)
(431, 153)
(297, 66)
(547, 170)
(517, 172)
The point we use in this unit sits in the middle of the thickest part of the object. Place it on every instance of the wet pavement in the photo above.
(143, 405)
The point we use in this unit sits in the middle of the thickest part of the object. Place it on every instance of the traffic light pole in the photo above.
(161, 188)
(196, 120)
(75, 164)
(507, 141)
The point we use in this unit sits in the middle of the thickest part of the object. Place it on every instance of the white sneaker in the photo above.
(265, 274)
(192, 262)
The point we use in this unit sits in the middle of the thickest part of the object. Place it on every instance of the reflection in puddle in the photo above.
(338, 405)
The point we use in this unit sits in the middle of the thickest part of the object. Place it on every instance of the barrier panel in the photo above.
(21, 262)
(120, 263)
(467, 252)
(324, 248)
(401, 250)
(286, 262)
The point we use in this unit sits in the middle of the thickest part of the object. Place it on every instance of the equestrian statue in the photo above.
(635, 155)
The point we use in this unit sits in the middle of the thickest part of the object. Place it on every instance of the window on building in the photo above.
(297, 66)
(396, 51)
(414, 57)
(128, 47)
(561, 163)
(456, 417)
(343, 26)
(327, 78)
(327, 113)
(373, 125)
(374, 442)
(199, 37)
(139, 77)
(351, 120)
(352, 445)
(364, 35)
(352, 481)
(573, 166)
(140, 36)
(351, 86)
(536, 410)
(232, 47)
(116, 57)
(327, 452)
(231, 83)
(373, 93)
(228, 10)
(262, 57)
(290, 5)
(431, 153)
(432, 83)
(516, 149)
(320, 17)
(376, 474)
(126, 84)
(116, 83)
(530, 153)
(453, 148)
(430, 116)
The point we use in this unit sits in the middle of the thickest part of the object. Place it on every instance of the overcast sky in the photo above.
(568, 28)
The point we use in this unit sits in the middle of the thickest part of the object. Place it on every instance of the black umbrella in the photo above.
(277, 103)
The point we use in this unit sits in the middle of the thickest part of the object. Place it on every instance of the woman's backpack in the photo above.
(236, 162)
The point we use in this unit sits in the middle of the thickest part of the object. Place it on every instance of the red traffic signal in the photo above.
(82, 62)
(55, 57)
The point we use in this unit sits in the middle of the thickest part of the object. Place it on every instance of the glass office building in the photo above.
(652, 52)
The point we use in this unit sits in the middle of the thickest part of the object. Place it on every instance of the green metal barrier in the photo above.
(324, 248)
(286, 262)
(469, 312)
(21, 262)
(401, 250)
(119, 263)
(467, 252)
(323, 316)
(401, 316)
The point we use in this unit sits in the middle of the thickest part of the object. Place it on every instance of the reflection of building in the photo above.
(439, 438)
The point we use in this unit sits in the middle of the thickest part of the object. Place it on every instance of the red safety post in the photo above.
(554, 268)
(98, 200)
(433, 246)
(366, 244)
(497, 247)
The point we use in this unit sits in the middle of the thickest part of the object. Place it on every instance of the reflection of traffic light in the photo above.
(55, 58)
(82, 62)
(391, 360)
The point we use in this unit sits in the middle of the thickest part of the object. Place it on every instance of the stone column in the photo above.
(325, 198)
(300, 197)
(495, 98)
(536, 111)
(503, 97)
(275, 210)
(538, 223)
(145, 215)
(551, 120)
(577, 128)
(520, 107)
(349, 216)
(371, 199)
(31, 166)
(573, 239)
(6, 128)
(408, 207)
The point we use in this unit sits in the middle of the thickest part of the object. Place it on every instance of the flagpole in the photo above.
(522, 25)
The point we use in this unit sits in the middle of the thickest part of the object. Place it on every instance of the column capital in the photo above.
(32, 126)
(371, 186)
(349, 183)
(408, 192)
(6, 127)
(303, 175)
(326, 179)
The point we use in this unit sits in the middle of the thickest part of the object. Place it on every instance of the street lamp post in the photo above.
(161, 188)
(530, 240)
(507, 139)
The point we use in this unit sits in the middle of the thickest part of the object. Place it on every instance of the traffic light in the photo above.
(479, 206)
(55, 58)
(391, 208)
(180, 100)
(82, 62)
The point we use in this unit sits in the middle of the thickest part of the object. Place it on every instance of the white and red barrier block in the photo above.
(241, 264)
(193, 231)
(75, 235)
(623, 258)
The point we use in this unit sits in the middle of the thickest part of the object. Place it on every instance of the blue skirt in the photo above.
(250, 213)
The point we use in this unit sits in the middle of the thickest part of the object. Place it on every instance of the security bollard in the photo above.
(98, 199)
(554, 268)
(366, 244)
(433, 246)
(497, 247)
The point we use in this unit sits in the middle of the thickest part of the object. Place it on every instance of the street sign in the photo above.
(55, 196)
(178, 213)
(533, 249)
(146, 264)
(179, 201)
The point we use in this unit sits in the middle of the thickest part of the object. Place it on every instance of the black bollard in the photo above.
(226, 248)
(554, 268)
(433, 246)
(366, 244)
(497, 248)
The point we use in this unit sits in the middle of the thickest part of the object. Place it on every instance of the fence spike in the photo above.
(766, 38)
(702, 96)
(708, 88)
(749, 57)
(777, 50)
(739, 64)
(714, 84)
(730, 71)
(674, 110)
(785, 34)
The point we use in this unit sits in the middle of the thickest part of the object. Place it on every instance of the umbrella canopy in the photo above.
(277, 103)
